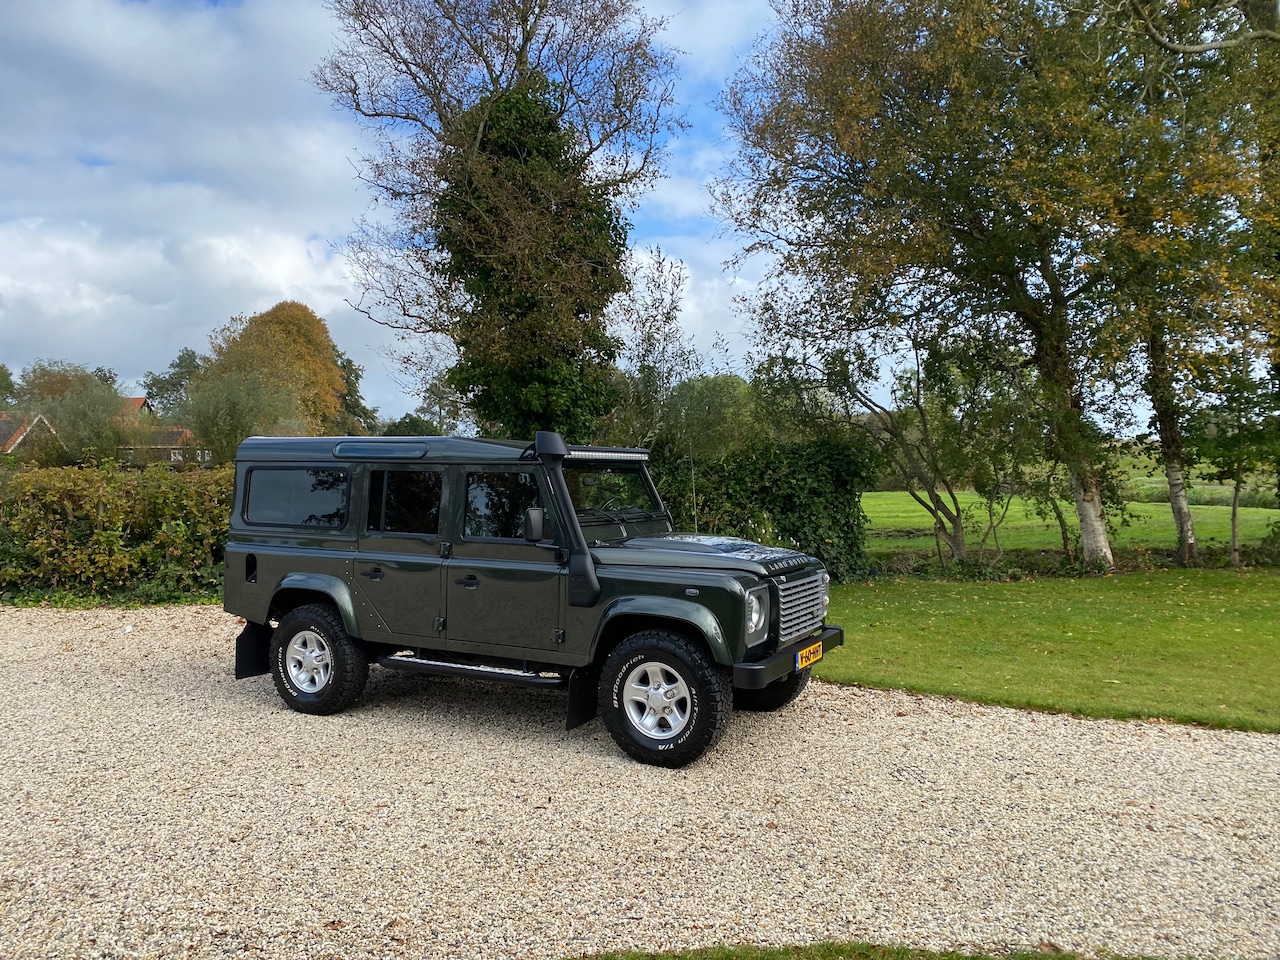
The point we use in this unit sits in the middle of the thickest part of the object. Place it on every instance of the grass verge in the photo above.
(1192, 646)
(830, 951)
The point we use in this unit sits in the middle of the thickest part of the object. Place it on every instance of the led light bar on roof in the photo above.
(609, 453)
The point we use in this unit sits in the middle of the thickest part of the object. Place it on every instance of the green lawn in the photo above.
(830, 951)
(1198, 646)
(899, 523)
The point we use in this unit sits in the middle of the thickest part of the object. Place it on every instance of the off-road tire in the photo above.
(317, 667)
(663, 699)
(775, 695)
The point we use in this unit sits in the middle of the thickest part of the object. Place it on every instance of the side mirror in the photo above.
(535, 521)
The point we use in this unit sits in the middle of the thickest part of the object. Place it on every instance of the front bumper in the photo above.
(761, 673)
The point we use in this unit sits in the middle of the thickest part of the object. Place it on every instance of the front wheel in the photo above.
(317, 667)
(775, 695)
(663, 699)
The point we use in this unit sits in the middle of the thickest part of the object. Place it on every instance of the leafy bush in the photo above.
(807, 496)
(155, 533)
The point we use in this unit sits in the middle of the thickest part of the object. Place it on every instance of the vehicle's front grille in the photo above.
(801, 606)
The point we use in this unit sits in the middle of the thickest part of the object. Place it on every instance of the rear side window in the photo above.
(298, 496)
(404, 501)
(496, 503)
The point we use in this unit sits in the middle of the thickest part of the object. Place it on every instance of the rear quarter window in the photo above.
(297, 496)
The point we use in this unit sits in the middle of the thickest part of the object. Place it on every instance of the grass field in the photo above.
(899, 523)
(1197, 646)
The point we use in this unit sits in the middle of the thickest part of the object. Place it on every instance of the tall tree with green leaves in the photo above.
(538, 252)
(510, 137)
(966, 169)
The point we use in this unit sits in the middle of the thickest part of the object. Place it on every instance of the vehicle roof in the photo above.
(406, 449)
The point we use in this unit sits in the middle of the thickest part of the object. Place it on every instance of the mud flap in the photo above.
(583, 704)
(253, 650)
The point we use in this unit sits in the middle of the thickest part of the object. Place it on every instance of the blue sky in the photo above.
(165, 166)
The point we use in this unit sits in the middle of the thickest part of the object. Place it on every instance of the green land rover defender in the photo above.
(541, 564)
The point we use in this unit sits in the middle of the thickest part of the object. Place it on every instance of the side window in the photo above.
(496, 503)
(404, 501)
(297, 496)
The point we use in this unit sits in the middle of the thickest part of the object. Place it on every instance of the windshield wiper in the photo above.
(596, 511)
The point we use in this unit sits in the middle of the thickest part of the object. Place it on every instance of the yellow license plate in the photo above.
(808, 656)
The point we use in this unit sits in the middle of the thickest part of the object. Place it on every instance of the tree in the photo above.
(8, 389)
(958, 413)
(168, 391)
(963, 169)
(356, 417)
(413, 424)
(1214, 24)
(275, 372)
(508, 137)
(1237, 433)
(656, 356)
(290, 346)
(85, 408)
(538, 253)
(224, 408)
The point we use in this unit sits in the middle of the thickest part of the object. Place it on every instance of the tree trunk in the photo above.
(1164, 404)
(1181, 512)
(1062, 525)
(1095, 549)
(1235, 524)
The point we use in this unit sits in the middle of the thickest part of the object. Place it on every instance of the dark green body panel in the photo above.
(500, 601)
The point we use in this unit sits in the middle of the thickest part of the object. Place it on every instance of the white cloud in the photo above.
(166, 165)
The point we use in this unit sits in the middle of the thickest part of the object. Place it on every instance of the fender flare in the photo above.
(694, 615)
(332, 587)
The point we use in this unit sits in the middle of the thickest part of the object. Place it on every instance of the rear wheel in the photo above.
(316, 666)
(775, 695)
(663, 699)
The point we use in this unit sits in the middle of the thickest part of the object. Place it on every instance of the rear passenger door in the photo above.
(399, 567)
(500, 589)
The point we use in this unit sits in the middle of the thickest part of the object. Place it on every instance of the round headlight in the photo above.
(755, 613)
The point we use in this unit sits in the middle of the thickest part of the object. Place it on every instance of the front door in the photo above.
(499, 588)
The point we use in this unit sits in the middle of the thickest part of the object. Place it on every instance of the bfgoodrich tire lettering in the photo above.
(663, 699)
(317, 667)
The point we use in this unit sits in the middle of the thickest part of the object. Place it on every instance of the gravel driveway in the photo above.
(155, 807)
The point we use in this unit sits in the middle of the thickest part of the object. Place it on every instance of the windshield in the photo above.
(611, 493)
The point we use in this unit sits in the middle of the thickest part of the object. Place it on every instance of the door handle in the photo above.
(470, 582)
(374, 574)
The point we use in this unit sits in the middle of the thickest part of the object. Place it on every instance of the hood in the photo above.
(703, 551)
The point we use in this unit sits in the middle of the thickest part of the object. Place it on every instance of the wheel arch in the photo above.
(630, 615)
(299, 589)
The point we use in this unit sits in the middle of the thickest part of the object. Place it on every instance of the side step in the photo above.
(440, 668)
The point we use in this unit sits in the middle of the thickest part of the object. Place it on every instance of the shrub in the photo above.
(807, 496)
(156, 532)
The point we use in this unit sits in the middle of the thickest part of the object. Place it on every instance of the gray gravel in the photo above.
(155, 807)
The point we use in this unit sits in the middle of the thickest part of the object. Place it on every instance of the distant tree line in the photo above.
(276, 372)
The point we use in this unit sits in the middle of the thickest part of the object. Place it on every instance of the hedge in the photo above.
(159, 534)
(156, 533)
(805, 495)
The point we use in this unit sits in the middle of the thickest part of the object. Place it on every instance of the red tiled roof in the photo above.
(14, 430)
